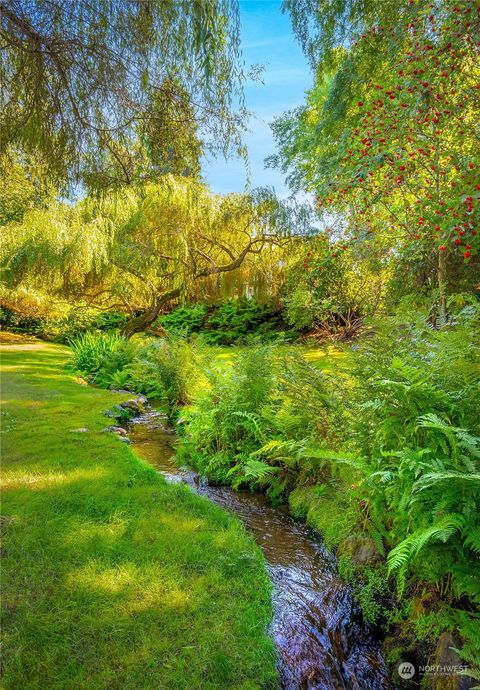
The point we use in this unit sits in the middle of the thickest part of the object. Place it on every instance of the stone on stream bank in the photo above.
(127, 410)
(123, 413)
(116, 430)
(360, 548)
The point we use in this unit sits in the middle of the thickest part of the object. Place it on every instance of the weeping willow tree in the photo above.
(139, 249)
(82, 79)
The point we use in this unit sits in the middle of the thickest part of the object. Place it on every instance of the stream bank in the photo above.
(322, 641)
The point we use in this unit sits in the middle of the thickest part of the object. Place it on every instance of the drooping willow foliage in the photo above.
(138, 248)
(82, 80)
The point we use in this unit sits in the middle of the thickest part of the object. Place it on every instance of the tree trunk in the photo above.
(442, 287)
(139, 324)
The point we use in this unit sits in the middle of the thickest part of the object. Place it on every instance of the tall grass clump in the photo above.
(100, 357)
(161, 368)
(165, 368)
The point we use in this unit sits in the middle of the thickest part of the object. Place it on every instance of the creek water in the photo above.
(322, 642)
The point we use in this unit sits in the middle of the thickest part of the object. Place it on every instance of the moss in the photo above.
(327, 509)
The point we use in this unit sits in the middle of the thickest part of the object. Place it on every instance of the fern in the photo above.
(252, 421)
(406, 551)
(257, 470)
(472, 539)
(432, 478)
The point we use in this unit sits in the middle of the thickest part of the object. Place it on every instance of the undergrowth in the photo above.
(383, 460)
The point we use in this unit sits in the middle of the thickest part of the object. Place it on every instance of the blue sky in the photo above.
(267, 38)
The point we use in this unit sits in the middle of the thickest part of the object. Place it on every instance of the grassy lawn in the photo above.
(113, 578)
(329, 357)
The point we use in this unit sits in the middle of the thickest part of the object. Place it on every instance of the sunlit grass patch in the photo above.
(19, 478)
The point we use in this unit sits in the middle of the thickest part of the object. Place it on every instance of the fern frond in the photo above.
(254, 469)
(407, 550)
(436, 477)
(472, 540)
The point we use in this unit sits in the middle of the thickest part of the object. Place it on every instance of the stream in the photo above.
(321, 640)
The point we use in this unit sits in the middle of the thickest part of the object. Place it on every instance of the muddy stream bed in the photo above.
(321, 639)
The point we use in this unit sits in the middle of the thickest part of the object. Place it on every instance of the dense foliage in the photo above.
(232, 322)
(391, 453)
(377, 446)
(388, 139)
(98, 89)
(140, 249)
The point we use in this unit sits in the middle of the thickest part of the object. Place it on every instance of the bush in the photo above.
(414, 430)
(161, 368)
(232, 322)
(257, 422)
(227, 423)
(55, 324)
(16, 322)
(184, 321)
(100, 356)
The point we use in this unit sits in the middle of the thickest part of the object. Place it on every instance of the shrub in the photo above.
(301, 308)
(16, 322)
(99, 356)
(264, 414)
(60, 323)
(227, 424)
(414, 427)
(184, 321)
(234, 320)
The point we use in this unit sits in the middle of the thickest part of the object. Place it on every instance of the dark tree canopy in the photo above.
(94, 76)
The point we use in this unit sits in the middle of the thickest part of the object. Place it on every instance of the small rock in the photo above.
(80, 430)
(360, 548)
(168, 430)
(125, 440)
(119, 390)
(117, 430)
(121, 413)
(135, 404)
(181, 420)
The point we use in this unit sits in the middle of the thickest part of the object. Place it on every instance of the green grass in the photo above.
(327, 509)
(329, 357)
(333, 359)
(113, 578)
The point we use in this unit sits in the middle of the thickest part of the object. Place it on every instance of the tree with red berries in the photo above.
(389, 138)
